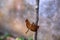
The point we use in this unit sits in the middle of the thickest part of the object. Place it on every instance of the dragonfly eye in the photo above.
(26, 20)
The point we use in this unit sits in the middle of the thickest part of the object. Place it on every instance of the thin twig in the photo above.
(37, 17)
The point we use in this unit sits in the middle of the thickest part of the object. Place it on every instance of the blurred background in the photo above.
(49, 22)
(13, 14)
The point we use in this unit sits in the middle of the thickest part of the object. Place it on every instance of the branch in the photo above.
(37, 17)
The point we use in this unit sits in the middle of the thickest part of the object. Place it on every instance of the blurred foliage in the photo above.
(30, 38)
(20, 38)
(5, 36)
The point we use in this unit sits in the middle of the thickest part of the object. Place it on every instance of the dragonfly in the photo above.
(33, 27)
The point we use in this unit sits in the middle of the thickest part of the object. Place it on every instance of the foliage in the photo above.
(30, 38)
(21, 38)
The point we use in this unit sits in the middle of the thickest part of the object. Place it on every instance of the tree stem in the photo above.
(37, 17)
